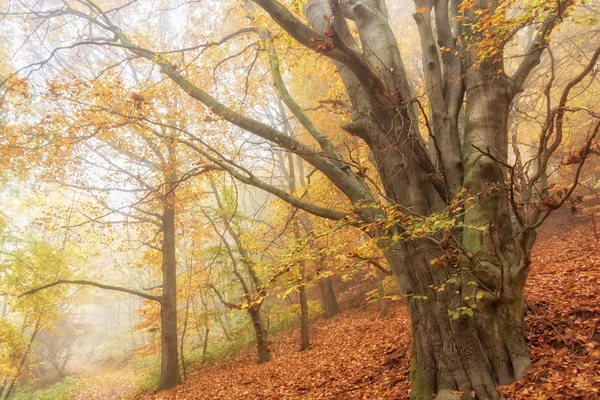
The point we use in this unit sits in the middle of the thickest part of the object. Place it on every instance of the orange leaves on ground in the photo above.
(360, 355)
(563, 315)
(353, 356)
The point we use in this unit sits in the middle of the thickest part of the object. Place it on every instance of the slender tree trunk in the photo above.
(63, 365)
(304, 339)
(304, 335)
(330, 303)
(383, 307)
(183, 332)
(24, 324)
(205, 346)
(196, 323)
(12, 383)
(262, 343)
(225, 326)
(206, 327)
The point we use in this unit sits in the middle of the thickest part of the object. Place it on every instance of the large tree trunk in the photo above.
(471, 353)
(472, 349)
(169, 376)
(330, 303)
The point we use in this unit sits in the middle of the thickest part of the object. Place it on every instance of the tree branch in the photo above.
(89, 283)
(534, 52)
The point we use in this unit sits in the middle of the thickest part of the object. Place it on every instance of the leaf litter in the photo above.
(360, 355)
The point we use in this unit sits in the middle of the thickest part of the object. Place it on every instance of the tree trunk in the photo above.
(262, 344)
(304, 340)
(205, 346)
(224, 325)
(184, 331)
(5, 307)
(169, 376)
(330, 303)
(469, 353)
(383, 307)
(12, 383)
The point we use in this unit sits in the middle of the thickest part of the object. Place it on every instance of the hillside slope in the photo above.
(360, 355)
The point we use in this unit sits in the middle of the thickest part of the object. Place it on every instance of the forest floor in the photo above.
(360, 355)
(106, 384)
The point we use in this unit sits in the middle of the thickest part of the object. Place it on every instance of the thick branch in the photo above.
(302, 33)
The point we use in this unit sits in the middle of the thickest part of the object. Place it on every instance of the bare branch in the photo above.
(89, 283)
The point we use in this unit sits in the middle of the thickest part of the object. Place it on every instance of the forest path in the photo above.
(106, 384)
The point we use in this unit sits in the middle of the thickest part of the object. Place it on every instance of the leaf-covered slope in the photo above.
(563, 314)
(359, 355)
(354, 355)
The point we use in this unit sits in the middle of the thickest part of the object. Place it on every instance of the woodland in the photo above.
(299, 199)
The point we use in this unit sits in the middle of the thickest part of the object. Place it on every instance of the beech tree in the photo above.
(456, 232)
(226, 227)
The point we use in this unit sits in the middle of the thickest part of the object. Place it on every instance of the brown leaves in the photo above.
(563, 317)
(350, 358)
(360, 355)
(579, 155)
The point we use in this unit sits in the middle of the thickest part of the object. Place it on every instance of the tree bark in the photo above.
(169, 376)
(304, 339)
(469, 353)
(330, 304)
(205, 345)
(383, 307)
(183, 332)
(262, 343)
